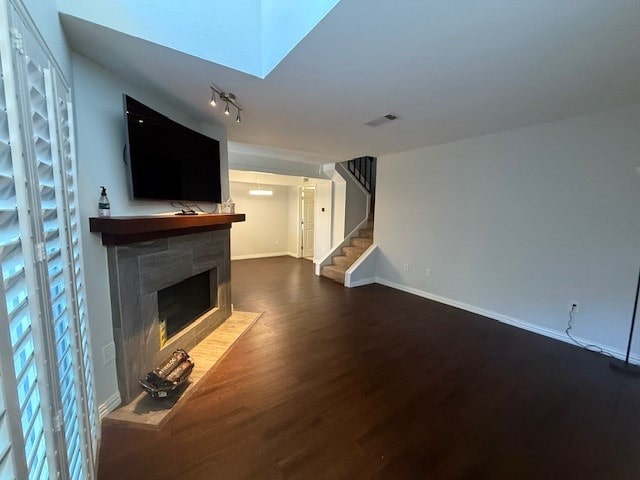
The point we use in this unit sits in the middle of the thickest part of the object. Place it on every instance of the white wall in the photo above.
(323, 220)
(44, 14)
(356, 200)
(228, 34)
(276, 219)
(521, 223)
(252, 36)
(284, 24)
(262, 163)
(363, 271)
(265, 232)
(100, 141)
(293, 229)
(339, 206)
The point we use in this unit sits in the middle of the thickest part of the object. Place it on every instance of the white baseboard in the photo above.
(260, 255)
(516, 322)
(363, 281)
(109, 405)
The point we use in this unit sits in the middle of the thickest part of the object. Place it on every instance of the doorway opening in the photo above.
(307, 221)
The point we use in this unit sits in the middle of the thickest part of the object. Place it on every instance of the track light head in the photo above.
(228, 98)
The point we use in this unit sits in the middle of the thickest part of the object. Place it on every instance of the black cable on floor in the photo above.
(589, 346)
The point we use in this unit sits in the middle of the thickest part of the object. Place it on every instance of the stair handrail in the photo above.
(363, 170)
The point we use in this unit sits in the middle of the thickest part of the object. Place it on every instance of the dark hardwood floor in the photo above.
(374, 383)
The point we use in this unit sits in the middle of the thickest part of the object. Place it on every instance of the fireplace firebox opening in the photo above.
(182, 303)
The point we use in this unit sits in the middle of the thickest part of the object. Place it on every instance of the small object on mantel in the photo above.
(228, 207)
(169, 375)
(104, 207)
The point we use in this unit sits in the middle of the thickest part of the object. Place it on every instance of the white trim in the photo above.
(261, 255)
(362, 281)
(109, 405)
(547, 332)
(354, 266)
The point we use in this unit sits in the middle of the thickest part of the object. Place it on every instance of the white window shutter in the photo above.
(45, 358)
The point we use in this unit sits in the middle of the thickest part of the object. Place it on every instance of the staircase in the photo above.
(349, 254)
(363, 170)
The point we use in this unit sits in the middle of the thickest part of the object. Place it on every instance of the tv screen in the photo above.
(168, 161)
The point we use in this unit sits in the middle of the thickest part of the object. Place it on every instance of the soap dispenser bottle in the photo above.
(104, 208)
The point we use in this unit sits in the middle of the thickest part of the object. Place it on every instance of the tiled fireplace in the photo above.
(138, 272)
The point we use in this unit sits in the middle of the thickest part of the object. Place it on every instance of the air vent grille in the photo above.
(381, 120)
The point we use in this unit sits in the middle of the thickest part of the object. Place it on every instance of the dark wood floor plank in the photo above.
(375, 383)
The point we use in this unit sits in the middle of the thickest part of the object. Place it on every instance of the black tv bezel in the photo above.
(129, 163)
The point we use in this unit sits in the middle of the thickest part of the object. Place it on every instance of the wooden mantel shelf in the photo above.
(122, 230)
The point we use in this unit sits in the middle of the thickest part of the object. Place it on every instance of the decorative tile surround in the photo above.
(136, 272)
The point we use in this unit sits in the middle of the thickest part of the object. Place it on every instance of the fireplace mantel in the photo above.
(123, 230)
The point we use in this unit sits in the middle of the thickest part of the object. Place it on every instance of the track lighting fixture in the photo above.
(229, 99)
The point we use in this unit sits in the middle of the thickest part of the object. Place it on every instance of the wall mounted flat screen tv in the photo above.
(168, 161)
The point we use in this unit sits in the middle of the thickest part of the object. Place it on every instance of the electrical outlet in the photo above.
(428, 272)
(109, 353)
(574, 307)
(405, 267)
(277, 243)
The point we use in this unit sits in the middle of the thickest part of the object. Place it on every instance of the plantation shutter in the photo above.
(8, 234)
(69, 194)
(45, 359)
(23, 374)
(55, 258)
(6, 466)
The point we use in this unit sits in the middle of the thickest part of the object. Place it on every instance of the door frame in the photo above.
(300, 246)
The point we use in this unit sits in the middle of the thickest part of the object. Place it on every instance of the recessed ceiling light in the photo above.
(261, 192)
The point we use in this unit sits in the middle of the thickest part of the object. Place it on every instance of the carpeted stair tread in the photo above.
(349, 254)
(343, 261)
(334, 272)
(353, 252)
(365, 233)
(361, 242)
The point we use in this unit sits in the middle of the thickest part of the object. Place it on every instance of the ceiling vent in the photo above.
(383, 119)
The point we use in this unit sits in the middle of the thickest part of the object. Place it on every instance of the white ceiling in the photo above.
(449, 69)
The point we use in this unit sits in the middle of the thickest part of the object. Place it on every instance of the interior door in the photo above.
(308, 217)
